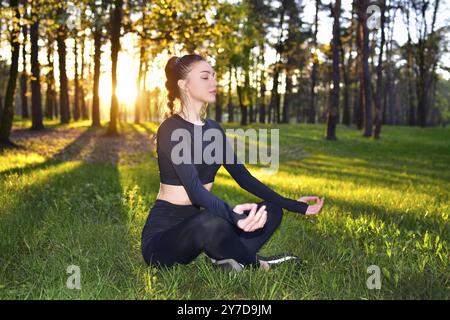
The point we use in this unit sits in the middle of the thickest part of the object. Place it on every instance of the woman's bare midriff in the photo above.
(176, 194)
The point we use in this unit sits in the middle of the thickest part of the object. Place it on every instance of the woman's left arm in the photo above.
(251, 184)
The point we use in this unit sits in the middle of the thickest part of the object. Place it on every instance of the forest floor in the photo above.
(71, 196)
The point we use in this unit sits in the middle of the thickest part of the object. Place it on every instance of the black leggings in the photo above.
(179, 233)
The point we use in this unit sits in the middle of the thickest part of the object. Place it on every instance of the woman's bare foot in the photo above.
(264, 265)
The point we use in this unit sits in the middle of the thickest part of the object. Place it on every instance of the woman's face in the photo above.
(200, 84)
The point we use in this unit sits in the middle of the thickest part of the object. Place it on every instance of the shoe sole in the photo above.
(228, 264)
(277, 260)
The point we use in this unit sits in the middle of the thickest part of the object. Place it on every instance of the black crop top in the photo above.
(192, 171)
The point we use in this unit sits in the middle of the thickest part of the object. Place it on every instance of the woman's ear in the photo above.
(181, 84)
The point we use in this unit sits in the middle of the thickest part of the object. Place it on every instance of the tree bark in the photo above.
(63, 83)
(332, 116)
(97, 63)
(24, 76)
(84, 111)
(116, 25)
(363, 59)
(8, 107)
(312, 96)
(378, 98)
(76, 98)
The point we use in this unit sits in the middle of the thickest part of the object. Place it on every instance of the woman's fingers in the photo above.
(247, 221)
(314, 209)
(254, 222)
(247, 206)
(263, 214)
(263, 220)
(309, 198)
(243, 207)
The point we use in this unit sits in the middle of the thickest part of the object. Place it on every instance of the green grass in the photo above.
(386, 204)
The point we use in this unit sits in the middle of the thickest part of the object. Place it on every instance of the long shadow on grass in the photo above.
(74, 216)
(69, 152)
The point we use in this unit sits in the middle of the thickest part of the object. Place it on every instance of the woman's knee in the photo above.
(214, 226)
(274, 212)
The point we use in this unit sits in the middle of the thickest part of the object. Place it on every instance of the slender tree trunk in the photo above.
(378, 98)
(76, 104)
(287, 96)
(365, 83)
(409, 72)
(36, 99)
(84, 111)
(116, 24)
(230, 102)
(50, 96)
(312, 96)
(219, 106)
(63, 83)
(346, 72)
(332, 116)
(8, 107)
(24, 77)
(138, 102)
(244, 99)
(262, 103)
(97, 63)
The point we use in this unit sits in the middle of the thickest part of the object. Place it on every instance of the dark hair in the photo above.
(177, 68)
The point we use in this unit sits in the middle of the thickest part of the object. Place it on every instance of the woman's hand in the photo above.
(255, 219)
(313, 208)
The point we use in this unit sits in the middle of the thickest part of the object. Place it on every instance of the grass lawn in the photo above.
(75, 198)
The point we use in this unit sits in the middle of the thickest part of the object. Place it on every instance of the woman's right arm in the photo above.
(188, 175)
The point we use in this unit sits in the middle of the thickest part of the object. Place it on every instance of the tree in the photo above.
(365, 92)
(427, 55)
(332, 115)
(315, 58)
(36, 98)
(63, 83)
(378, 115)
(116, 25)
(8, 108)
(24, 75)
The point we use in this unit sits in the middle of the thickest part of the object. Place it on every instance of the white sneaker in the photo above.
(278, 259)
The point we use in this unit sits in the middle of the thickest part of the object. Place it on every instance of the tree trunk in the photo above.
(230, 101)
(24, 77)
(116, 25)
(219, 106)
(97, 63)
(363, 55)
(50, 96)
(377, 120)
(334, 96)
(346, 72)
(8, 107)
(84, 111)
(139, 95)
(36, 99)
(63, 85)
(76, 98)
(262, 102)
(312, 96)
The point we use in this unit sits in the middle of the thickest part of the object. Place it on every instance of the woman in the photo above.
(187, 218)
